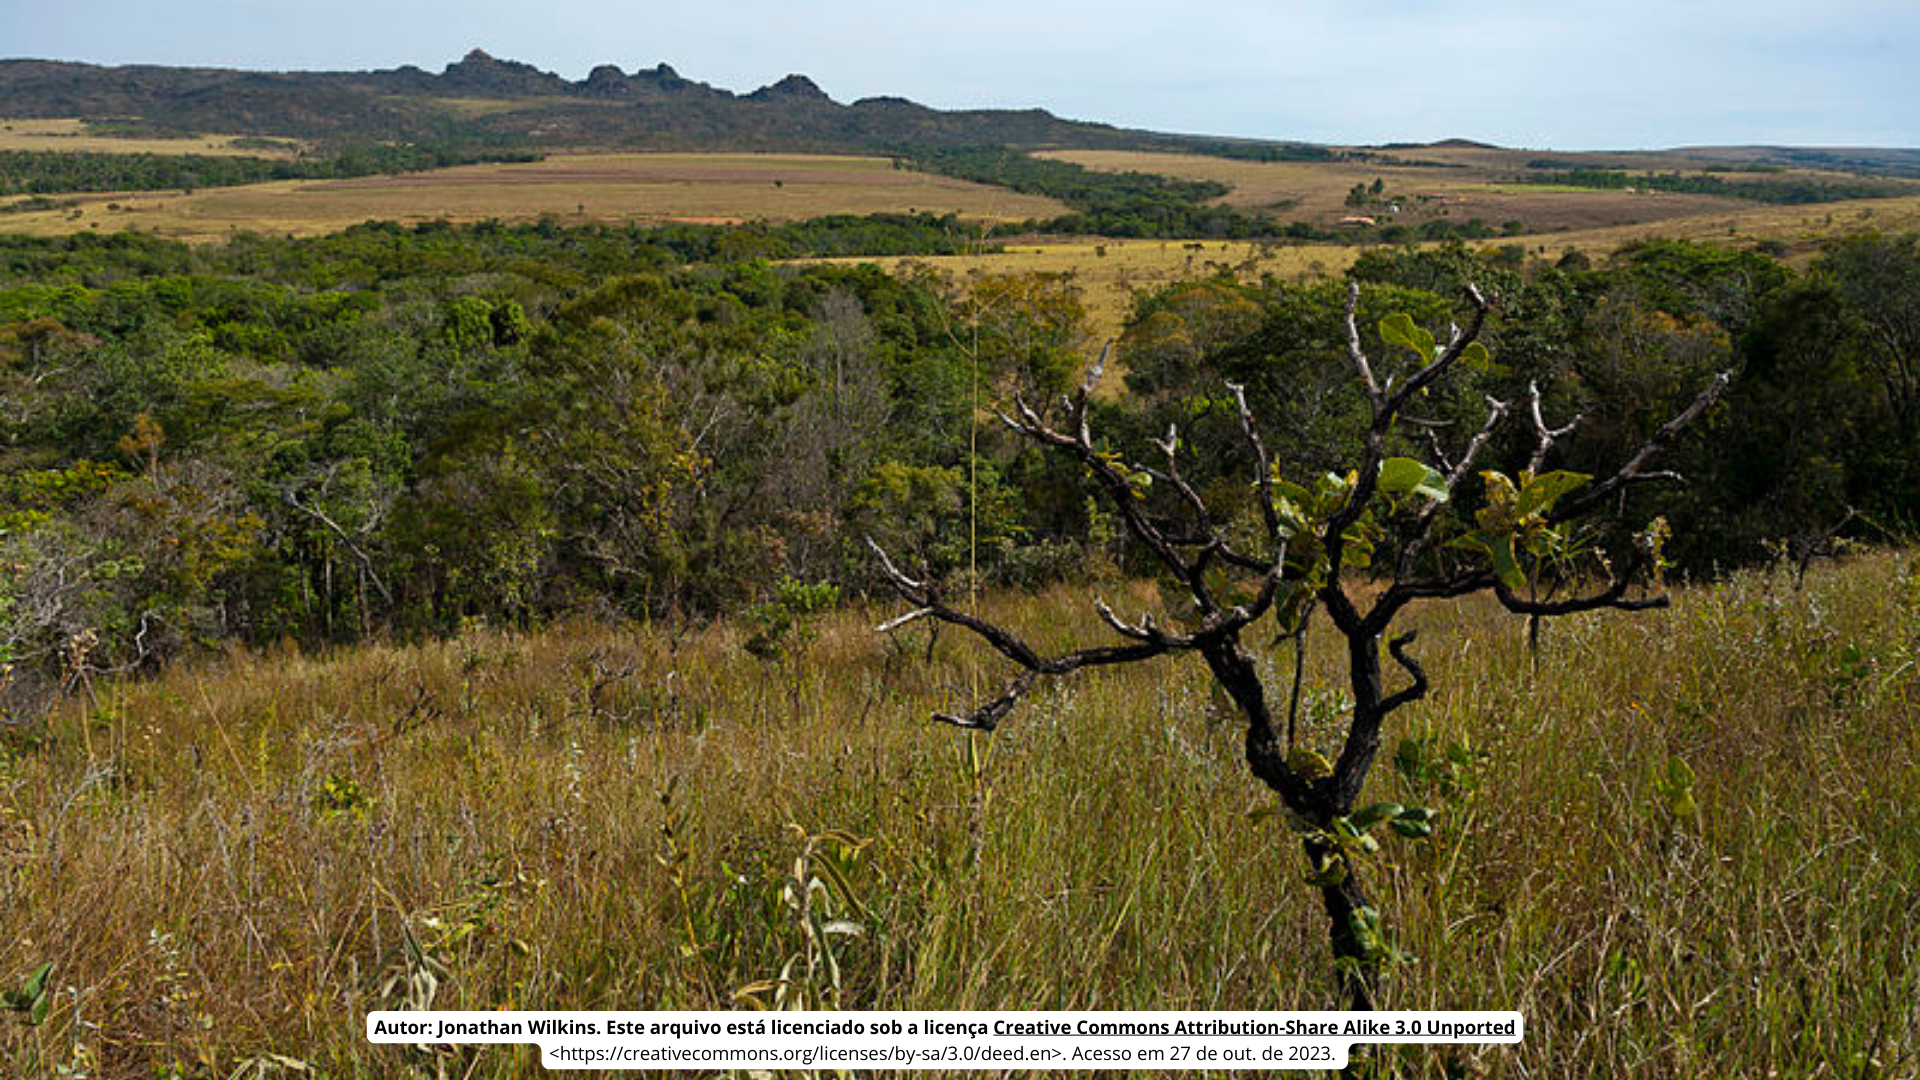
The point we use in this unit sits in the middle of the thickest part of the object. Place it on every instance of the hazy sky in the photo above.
(1593, 74)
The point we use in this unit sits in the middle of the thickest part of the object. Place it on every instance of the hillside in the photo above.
(488, 101)
(277, 832)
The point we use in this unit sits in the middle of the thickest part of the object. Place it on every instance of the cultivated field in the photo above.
(575, 188)
(72, 136)
(242, 857)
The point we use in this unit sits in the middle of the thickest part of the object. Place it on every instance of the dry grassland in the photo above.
(1800, 228)
(1110, 272)
(1108, 281)
(1316, 192)
(231, 864)
(72, 136)
(576, 188)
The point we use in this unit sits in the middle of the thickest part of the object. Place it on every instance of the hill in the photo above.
(483, 100)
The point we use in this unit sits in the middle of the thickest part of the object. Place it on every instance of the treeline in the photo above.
(367, 255)
(1779, 190)
(1147, 205)
(1264, 151)
(397, 431)
(52, 172)
(1119, 204)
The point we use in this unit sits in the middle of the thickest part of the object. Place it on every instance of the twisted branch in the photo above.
(1658, 441)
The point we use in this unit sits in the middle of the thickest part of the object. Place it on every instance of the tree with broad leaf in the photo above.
(1392, 521)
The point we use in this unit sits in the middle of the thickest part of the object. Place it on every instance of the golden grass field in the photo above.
(72, 136)
(231, 863)
(575, 188)
(1800, 228)
(1110, 272)
(1481, 188)
(1316, 192)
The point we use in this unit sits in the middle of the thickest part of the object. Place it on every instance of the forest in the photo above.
(52, 172)
(404, 432)
(1762, 188)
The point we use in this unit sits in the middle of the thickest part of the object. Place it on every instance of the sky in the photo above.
(1598, 74)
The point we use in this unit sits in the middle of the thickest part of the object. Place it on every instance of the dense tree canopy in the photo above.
(396, 430)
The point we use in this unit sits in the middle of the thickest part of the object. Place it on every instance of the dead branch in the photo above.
(1658, 441)
(1544, 436)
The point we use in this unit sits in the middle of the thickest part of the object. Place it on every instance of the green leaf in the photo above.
(1328, 874)
(1679, 773)
(1539, 493)
(1359, 549)
(1308, 764)
(1498, 547)
(36, 983)
(1500, 487)
(1290, 490)
(1330, 493)
(1368, 816)
(1412, 830)
(1401, 476)
(1400, 329)
(1476, 357)
(1505, 566)
(1291, 605)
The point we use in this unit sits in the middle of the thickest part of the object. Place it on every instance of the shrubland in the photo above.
(1680, 842)
(452, 616)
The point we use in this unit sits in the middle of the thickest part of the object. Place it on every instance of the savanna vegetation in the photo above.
(391, 431)
(1680, 842)
(49, 172)
(1763, 187)
(1124, 204)
(481, 615)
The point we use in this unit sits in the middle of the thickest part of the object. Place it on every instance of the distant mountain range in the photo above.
(484, 103)
(488, 101)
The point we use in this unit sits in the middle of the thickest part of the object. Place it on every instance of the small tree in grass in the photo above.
(1392, 521)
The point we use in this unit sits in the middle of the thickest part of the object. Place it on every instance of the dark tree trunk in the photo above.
(1234, 671)
(1342, 902)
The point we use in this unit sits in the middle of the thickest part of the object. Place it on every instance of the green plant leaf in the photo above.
(1402, 476)
(1412, 830)
(1368, 816)
(1477, 359)
(1308, 764)
(32, 997)
(1539, 493)
(1679, 773)
(1400, 329)
(36, 984)
(1329, 873)
(1498, 547)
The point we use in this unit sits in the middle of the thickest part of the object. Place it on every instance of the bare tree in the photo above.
(1386, 520)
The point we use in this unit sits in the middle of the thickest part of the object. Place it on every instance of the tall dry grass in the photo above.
(231, 864)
